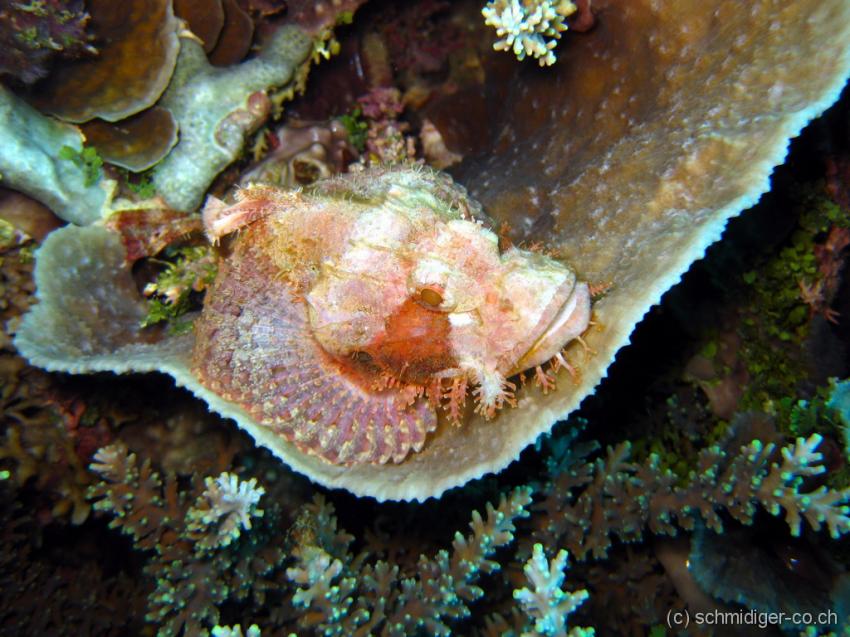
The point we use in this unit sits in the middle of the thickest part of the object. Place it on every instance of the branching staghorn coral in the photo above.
(528, 27)
(198, 560)
(589, 503)
(340, 594)
(223, 510)
(547, 604)
(236, 631)
(198, 563)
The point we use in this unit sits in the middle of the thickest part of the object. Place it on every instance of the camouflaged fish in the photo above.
(347, 316)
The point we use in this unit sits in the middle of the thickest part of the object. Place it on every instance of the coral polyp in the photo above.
(349, 315)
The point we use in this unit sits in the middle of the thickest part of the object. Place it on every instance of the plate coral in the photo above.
(627, 161)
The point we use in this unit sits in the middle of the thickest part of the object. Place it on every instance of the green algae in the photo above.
(172, 295)
(776, 319)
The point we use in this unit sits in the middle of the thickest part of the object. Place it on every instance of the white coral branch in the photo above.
(236, 631)
(546, 603)
(528, 27)
(781, 490)
(225, 509)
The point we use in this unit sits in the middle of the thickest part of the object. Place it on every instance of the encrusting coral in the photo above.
(216, 108)
(234, 40)
(135, 143)
(205, 18)
(31, 162)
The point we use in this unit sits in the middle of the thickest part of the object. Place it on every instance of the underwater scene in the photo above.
(424, 317)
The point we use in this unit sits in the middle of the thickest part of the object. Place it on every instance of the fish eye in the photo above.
(431, 296)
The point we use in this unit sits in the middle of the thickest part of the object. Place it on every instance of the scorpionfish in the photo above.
(347, 316)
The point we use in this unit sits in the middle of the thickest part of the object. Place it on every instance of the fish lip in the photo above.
(575, 309)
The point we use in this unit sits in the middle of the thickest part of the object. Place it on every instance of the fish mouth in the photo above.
(570, 320)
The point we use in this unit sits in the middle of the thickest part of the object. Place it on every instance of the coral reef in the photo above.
(234, 40)
(709, 472)
(135, 143)
(665, 219)
(51, 587)
(342, 595)
(226, 506)
(214, 110)
(204, 18)
(46, 439)
(786, 291)
(762, 575)
(199, 562)
(202, 559)
(386, 141)
(192, 271)
(300, 153)
(236, 631)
